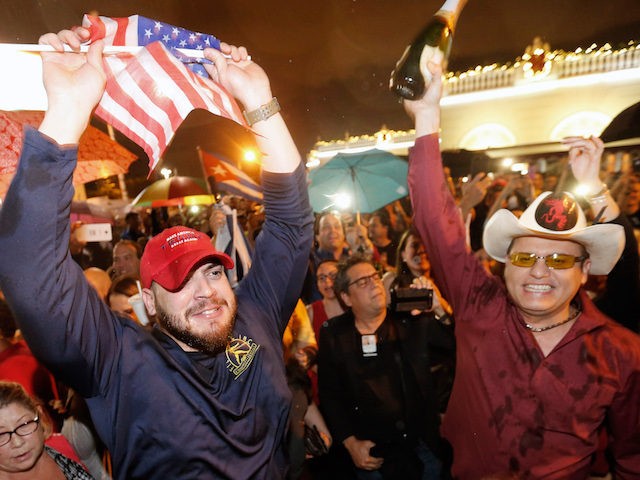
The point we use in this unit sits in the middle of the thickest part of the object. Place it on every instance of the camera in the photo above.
(407, 299)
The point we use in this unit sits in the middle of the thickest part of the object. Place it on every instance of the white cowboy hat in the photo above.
(556, 218)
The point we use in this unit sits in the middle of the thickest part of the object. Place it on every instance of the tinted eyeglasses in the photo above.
(365, 281)
(555, 261)
(27, 428)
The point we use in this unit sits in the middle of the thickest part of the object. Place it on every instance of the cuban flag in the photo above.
(228, 177)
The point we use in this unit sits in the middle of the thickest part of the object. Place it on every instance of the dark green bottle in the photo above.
(433, 43)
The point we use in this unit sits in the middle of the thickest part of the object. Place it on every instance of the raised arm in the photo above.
(74, 84)
(282, 249)
(436, 214)
(248, 83)
(585, 155)
(58, 312)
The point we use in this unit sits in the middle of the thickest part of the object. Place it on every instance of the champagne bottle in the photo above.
(433, 43)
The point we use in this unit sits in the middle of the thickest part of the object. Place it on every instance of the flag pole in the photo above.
(108, 49)
(204, 171)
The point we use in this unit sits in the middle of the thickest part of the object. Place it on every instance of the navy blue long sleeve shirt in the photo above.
(162, 413)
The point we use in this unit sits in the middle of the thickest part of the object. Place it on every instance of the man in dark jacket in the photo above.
(375, 384)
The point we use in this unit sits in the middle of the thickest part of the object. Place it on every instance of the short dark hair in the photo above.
(130, 243)
(341, 283)
(383, 215)
(124, 285)
(131, 215)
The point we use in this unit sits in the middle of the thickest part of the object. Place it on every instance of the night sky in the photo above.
(329, 61)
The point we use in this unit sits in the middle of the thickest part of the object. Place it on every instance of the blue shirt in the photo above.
(161, 412)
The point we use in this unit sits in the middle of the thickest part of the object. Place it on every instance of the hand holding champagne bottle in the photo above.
(433, 44)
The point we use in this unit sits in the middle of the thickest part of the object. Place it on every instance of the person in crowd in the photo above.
(17, 364)
(539, 370)
(78, 430)
(203, 395)
(23, 430)
(78, 247)
(381, 235)
(330, 238)
(481, 212)
(414, 269)
(122, 289)
(358, 242)
(306, 421)
(329, 306)
(329, 244)
(133, 230)
(126, 259)
(99, 280)
(376, 390)
(299, 333)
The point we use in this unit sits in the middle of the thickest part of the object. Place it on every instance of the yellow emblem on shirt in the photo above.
(240, 353)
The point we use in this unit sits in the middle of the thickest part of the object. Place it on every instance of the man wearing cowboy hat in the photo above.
(540, 370)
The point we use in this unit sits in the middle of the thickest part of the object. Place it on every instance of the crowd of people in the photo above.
(477, 329)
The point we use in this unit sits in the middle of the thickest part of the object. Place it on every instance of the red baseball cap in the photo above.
(171, 255)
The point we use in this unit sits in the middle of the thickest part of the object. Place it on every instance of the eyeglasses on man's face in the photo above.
(365, 281)
(27, 428)
(555, 261)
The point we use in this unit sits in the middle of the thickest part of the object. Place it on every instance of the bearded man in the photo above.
(204, 394)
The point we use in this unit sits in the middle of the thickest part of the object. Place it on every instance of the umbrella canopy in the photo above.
(98, 155)
(371, 179)
(624, 125)
(174, 191)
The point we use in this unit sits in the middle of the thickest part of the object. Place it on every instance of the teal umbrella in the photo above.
(370, 179)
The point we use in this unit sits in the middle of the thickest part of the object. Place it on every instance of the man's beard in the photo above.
(212, 342)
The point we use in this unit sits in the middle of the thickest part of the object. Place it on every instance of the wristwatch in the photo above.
(265, 111)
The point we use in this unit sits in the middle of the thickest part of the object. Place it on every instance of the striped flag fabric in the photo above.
(228, 177)
(149, 94)
(231, 240)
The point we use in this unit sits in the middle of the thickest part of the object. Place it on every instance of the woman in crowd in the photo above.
(23, 454)
(413, 268)
(122, 289)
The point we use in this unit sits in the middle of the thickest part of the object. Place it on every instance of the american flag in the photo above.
(229, 178)
(149, 94)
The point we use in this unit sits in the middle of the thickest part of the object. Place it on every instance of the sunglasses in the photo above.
(555, 261)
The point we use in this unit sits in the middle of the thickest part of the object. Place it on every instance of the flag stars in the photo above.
(183, 43)
(192, 37)
(165, 38)
(147, 33)
(219, 170)
(175, 31)
(157, 26)
(206, 40)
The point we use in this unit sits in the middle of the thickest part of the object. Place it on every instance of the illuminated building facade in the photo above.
(522, 110)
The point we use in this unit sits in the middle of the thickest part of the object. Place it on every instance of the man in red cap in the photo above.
(540, 371)
(204, 394)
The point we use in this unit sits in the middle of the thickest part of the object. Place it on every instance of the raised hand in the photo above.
(74, 83)
(585, 155)
(243, 78)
